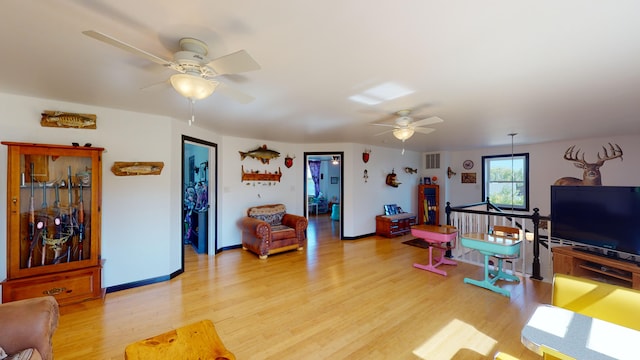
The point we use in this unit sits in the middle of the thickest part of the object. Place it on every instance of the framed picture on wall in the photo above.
(427, 180)
(468, 178)
(334, 179)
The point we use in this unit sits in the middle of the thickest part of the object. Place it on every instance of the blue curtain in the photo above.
(314, 167)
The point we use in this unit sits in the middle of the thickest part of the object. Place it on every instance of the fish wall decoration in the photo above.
(261, 153)
(68, 120)
(121, 168)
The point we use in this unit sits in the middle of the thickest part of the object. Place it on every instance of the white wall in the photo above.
(364, 200)
(236, 196)
(546, 165)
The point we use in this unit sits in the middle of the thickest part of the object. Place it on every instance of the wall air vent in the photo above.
(432, 161)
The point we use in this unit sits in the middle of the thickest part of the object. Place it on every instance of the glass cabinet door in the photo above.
(55, 209)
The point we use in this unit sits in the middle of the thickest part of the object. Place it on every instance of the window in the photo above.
(311, 186)
(505, 180)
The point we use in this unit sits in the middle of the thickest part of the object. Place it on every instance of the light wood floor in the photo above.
(353, 299)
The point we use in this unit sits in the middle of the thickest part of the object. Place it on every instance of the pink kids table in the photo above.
(442, 238)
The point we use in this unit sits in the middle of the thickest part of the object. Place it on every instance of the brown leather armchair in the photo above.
(28, 326)
(269, 229)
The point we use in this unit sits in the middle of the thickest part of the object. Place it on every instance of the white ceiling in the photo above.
(547, 70)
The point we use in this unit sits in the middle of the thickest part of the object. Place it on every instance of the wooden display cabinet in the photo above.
(569, 261)
(428, 204)
(53, 222)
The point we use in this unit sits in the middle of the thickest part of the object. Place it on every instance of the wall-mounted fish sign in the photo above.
(68, 120)
(120, 168)
(261, 153)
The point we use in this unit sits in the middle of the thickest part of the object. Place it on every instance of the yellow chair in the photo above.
(547, 354)
(612, 303)
(504, 356)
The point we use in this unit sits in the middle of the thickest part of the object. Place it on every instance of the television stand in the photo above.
(578, 262)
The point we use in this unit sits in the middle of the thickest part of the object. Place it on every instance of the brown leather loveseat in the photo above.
(27, 326)
(268, 229)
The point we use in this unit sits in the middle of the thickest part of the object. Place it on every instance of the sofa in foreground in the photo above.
(27, 327)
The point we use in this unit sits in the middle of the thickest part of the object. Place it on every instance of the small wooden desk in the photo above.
(489, 245)
(437, 237)
(564, 334)
(195, 341)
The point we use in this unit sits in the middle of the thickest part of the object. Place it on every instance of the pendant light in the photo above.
(512, 173)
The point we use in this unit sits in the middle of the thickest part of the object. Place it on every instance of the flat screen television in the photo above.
(605, 217)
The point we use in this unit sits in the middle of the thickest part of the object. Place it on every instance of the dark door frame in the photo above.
(213, 191)
(306, 166)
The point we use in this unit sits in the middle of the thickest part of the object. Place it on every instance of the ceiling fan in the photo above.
(197, 73)
(405, 126)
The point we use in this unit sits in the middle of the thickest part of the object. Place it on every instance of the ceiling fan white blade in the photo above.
(124, 46)
(388, 125)
(237, 62)
(387, 118)
(427, 121)
(234, 93)
(157, 86)
(384, 132)
(422, 130)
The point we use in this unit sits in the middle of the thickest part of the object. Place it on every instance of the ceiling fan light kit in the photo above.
(405, 126)
(403, 133)
(195, 70)
(193, 87)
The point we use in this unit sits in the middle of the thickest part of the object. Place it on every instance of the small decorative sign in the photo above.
(68, 120)
(468, 178)
(288, 161)
(365, 155)
(120, 168)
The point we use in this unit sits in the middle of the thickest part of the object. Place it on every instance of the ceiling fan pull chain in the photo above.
(193, 117)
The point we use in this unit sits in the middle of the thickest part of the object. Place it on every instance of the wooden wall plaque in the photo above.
(121, 168)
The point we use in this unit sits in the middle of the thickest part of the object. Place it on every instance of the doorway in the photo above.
(324, 187)
(199, 194)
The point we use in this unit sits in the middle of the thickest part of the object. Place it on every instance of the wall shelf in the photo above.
(265, 176)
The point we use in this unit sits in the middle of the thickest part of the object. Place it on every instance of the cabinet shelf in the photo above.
(608, 272)
(428, 204)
